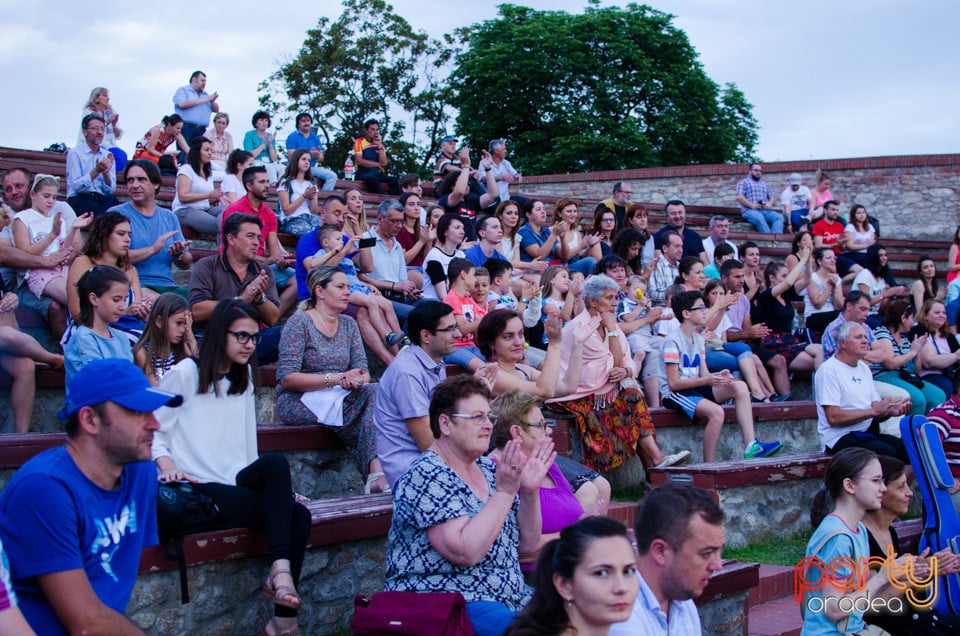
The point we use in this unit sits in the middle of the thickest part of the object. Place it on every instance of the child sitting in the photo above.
(689, 387)
(334, 245)
(44, 229)
(166, 339)
(103, 299)
(467, 313)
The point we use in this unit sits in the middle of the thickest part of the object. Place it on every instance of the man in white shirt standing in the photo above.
(679, 532)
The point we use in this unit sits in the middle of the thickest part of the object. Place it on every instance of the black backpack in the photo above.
(182, 510)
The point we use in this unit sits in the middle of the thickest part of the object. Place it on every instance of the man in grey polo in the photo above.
(402, 411)
(389, 273)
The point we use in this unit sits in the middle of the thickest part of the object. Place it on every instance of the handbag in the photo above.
(181, 510)
(911, 377)
(411, 613)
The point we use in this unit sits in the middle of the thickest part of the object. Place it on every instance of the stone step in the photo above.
(779, 617)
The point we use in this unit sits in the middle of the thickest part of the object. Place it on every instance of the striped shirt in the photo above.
(946, 418)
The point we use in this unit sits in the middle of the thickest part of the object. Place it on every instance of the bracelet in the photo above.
(326, 380)
(392, 287)
(523, 300)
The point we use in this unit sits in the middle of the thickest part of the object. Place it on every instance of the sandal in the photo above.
(272, 630)
(371, 479)
(284, 595)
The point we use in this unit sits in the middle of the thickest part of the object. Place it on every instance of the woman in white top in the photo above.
(876, 281)
(211, 441)
(232, 186)
(221, 144)
(579, 252)
(858, 236)
(298, 196)
(824, 297)
(450, 234)
(197, 203)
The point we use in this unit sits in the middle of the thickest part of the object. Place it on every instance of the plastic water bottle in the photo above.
(348, 168)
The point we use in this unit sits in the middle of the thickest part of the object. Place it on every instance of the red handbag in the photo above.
(411, 613)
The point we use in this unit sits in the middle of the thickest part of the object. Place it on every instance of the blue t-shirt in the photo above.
(86, 345)
(144, 230)
(295, 140)
(528, 237)
(54, 519)
(476, 256)
(849, 544)
(307, 246)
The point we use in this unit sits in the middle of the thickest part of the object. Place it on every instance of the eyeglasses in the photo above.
(243, 337)
(879, 481)
(476, 417)
(700, 308)
(542, 424)
(607, 220)
(449, 329)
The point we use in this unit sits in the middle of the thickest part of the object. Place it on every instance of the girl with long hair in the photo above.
(211, 441)
(167, 337)
(298, 196)
(926, 287)
(103, 294)
(198, 203)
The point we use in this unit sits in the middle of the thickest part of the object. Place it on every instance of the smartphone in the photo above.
(366, 242)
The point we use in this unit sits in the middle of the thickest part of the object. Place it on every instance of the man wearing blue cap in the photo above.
(74, 519)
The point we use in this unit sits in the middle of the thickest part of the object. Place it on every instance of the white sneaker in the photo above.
(676, 458)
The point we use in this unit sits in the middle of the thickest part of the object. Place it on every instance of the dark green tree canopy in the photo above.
(368, 63)
(607, 89)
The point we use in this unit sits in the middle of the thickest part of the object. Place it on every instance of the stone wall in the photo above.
(894, 189)
(225, 596)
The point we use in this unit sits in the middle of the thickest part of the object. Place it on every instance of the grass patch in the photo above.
(632, 494)
(775, 551)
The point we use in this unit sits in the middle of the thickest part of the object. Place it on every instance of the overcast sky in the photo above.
(827, 79)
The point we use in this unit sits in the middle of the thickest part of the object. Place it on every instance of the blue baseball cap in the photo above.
(447, 138)
(115, 380)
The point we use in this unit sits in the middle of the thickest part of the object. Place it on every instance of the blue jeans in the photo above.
(765, 221)
(796, 215)
(329, 177)
(462, 356)
(584, 265)
(489, 618)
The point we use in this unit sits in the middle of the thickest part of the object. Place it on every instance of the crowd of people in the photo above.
(598, 320)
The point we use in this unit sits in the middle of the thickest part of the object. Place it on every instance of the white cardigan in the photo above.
(208, 437)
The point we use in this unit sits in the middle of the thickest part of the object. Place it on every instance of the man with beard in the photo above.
(757, 201)
(75, 518)
(91, 172)
(156, 241)
(677, 221)
(679, 533)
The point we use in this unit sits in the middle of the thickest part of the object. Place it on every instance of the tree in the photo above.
(607, 89)
(368, 63)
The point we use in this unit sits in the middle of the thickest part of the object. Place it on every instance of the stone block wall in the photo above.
(899, 191)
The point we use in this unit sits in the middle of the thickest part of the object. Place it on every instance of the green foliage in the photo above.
(610, 88)
(368, 63)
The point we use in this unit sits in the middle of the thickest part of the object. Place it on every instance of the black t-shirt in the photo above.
(767, 309)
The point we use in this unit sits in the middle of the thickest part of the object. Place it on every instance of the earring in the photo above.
(570, 602)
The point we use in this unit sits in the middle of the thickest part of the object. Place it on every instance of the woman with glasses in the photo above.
(211, 441)
(458, 522)
(605, 224)
(322, 362)
(607, 404)
(519, 417)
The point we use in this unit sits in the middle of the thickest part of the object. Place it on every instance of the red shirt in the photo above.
(266, 215)
(472, 313)
(830, 232)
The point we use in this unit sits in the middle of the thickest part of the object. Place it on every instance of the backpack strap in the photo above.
(842, 623)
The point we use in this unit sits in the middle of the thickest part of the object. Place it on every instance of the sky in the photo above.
(827, 79)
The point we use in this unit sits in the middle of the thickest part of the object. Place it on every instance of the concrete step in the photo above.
(779, 617)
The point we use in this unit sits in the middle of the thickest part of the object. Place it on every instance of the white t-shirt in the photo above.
(875, 286)
(850, 388)
(38, 225)
(298, 187)
(230, 183)
(198, 185)
(796, 199)
(808, 307)
(861, 240)
(439, 256)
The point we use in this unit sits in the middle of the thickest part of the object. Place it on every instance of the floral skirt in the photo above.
(609, 430)
(786, 344)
